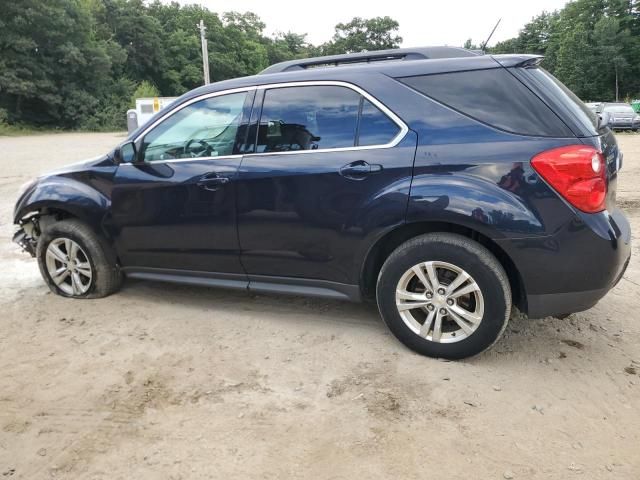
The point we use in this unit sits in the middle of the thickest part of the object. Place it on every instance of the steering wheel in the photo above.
(203, 152)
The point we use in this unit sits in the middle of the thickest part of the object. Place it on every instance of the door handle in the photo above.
(212, 181)
(359, 169)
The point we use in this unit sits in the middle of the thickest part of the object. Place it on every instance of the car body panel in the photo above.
(299, 217)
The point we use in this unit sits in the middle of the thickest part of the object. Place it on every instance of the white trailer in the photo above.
(145, 109)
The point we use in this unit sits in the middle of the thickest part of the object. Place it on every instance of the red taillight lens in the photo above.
(576, 172)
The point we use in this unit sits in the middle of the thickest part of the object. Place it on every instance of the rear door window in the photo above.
(320, 117)
(376, 128)
(308, 118)
(494, 97)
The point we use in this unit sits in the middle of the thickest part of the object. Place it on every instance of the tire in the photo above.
(489, 297)
(104, 275)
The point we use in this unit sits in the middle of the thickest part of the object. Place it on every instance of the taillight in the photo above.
(578, 173)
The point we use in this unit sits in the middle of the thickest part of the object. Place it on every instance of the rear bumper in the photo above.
(624, 126)
(550, 304)
(572, 270)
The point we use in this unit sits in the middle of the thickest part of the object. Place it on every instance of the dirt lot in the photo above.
(167, 382)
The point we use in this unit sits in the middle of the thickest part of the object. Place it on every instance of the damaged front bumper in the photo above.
(27, 235)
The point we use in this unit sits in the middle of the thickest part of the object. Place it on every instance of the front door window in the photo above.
(206, 128)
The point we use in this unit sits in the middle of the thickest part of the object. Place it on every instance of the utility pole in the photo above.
(205, 52)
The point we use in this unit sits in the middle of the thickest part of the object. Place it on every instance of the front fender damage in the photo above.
(27, 235)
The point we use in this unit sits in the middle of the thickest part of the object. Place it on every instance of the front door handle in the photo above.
(359, 170)
(212, 181)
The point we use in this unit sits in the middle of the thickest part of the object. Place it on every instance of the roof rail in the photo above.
(420, 53)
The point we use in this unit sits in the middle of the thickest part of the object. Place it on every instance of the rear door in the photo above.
(321, 179)
(175, 208)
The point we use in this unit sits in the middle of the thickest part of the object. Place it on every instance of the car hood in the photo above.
(83, 165)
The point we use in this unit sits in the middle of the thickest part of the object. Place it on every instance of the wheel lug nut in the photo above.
(443, 311)
(450, 302)
(430, 307)
(441, 291)
(429, 295)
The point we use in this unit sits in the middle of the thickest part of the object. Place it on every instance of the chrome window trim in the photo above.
(404, 129)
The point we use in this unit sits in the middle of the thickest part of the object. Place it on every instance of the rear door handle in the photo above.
(212, 181)
(359, 170)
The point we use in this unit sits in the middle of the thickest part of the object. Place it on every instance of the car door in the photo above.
(325, 175)
(174, 208)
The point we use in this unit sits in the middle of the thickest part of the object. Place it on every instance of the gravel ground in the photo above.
(170, 382)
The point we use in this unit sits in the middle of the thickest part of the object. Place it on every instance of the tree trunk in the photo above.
(616, 68)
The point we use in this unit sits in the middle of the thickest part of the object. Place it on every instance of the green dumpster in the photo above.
(636, 105)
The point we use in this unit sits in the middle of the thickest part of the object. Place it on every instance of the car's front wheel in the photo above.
(444, 295)
(74, 262)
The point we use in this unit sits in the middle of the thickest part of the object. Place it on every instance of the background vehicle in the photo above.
(444, 184)
(593, 106)
(621, 116)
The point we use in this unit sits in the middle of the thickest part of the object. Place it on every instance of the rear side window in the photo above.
(318, 117)
(375, 127)
(308, 118)
(494, 97)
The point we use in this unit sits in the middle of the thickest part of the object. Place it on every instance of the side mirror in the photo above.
(126, 153)
(603, 119)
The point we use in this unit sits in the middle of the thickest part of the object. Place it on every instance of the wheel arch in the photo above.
(383, 247)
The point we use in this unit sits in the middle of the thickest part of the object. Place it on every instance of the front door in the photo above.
(175, 206)
(320, 181)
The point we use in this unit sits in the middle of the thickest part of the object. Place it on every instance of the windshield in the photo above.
(619, 109)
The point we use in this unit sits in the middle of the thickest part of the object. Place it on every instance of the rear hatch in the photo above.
(577, 116)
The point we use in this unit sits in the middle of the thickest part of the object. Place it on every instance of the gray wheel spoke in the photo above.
(471, 288)
(437, 328)
(433, 276)
(406, 295)
(402, 306)
(84, 268)
(421, 276)
(76, 283)
(460, 322)
(55, 252)
(60, 275)
(73, 251)
(465, 314)
(460, 279)
(426, 326)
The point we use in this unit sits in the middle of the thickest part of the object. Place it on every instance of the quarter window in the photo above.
(206, 128)
(494, 97)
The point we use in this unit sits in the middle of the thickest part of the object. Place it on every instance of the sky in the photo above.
(422, 22)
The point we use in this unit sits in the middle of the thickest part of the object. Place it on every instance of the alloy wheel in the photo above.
(439, 301)
(68, 266)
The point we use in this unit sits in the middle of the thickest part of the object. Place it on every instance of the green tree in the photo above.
(362, 34)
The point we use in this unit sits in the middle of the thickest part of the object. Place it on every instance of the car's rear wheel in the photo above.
(444, 295)
(74, 262)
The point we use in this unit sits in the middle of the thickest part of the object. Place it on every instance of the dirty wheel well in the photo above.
(383, 248)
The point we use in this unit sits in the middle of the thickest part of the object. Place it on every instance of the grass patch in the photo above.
(16, 130)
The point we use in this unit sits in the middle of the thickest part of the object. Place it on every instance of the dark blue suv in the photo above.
(445, 185)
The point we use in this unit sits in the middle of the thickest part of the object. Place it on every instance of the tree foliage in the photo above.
(78, 63)
(362, 34)
(593, 46)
